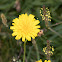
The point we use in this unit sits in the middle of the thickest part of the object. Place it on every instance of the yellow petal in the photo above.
(23, 38)
(15, 20)
(28, 38)
(17, 37)
(14, 33)
(12, 27)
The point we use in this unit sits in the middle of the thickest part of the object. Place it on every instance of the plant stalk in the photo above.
(24, 50)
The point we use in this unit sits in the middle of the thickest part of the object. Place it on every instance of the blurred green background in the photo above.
(10, 48)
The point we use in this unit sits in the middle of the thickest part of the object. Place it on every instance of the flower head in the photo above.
(25, 27)
(39, 60)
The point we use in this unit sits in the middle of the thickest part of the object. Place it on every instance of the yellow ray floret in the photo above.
(25, 27)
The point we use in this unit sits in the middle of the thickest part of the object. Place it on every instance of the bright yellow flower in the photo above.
(39, 60)
(25, 27)
(47, 61)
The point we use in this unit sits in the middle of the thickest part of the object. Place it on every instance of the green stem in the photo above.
(24, 50)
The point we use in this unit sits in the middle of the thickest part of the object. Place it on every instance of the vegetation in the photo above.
(11, 50)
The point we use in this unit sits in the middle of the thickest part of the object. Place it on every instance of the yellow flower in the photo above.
(39, 60)
(25, 27)
(47, 61)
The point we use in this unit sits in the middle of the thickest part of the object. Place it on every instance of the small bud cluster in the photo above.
(50, 52)
(45, 15)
